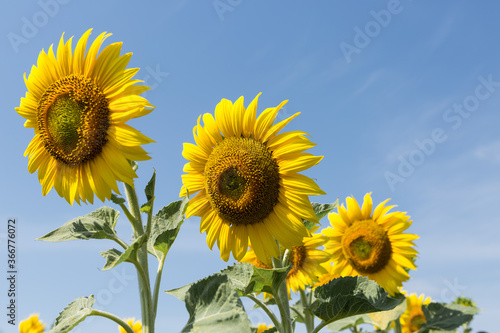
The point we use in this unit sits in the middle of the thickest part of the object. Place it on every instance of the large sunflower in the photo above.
(371, 245)
(31, 325)
(78, 103)
(246, 176)
(413, 318)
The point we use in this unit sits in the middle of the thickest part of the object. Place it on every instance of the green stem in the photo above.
(397, 325)
(319, 327)
(309, 319)
(129, 216)
(157, 282)
(114, 318)
(121, 242)
(282, 302)
(268, 311)
(142, 257)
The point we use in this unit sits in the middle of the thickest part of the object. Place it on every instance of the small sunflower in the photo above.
(246, 176)
(78, 104)
(413, 318)
(263, 327)
(306, 260)
(372, 245)
(31, 325)
(135, 325)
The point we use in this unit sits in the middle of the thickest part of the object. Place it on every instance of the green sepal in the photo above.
(349, 296)
(381, 319)
(215, 307)
(114, 257)
(165, 227)
(96, 225)
(150, 194)
(321, 211)
(447, 317)
(73, 314)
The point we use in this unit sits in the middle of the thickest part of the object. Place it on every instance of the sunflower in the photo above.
(326, 277)
(78, 104)
(413, 318)
(372, 245)
(306, 259)
(31, 325)
(135, 325)
(263, 327)
(246, 176)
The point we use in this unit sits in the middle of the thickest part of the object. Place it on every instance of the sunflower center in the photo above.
(242, 180)
(416, 320)
(297, 257)
(73, 120)
(366, 246)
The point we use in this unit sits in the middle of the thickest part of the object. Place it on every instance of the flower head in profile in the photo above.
(246, 176)
(372, 245)
(413, 318)
(31, 325)
(135, 325)
(78, 103)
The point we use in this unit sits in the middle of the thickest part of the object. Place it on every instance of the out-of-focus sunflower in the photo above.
(78, 103)
(413, 318)
(246, 176)
(135, 325)
(31, 325)
(372, 245)
(306, 260)
(263, 327)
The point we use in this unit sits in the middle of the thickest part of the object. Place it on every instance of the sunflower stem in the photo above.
(268, 311)
(114, 318)
(309, 319)
(397, 326)
(142, 257)
(319, 327)
(282, 301)
(157, 283)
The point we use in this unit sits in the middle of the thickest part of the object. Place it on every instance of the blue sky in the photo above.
(401, 97)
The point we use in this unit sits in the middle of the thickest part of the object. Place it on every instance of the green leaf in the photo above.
(215, 307)
(380, 319)
(96, 225)
(350, 296)
(150, 187)
(166, 225)
(446, 317)
(150, 194)
(321, 211)
(115, 257)
(181, 292)
(247, 278)
(116, 199)
(73, 314)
